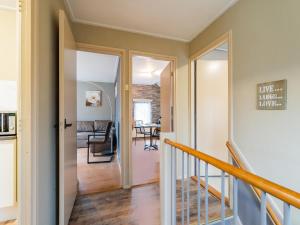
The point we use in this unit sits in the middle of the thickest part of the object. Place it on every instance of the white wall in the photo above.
(8, 98)
(212, 107)
(8, 60)
(266, 47)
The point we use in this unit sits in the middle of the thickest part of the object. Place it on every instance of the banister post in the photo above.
(166, 179)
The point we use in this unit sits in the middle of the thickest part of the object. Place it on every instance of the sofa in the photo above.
(86, 128)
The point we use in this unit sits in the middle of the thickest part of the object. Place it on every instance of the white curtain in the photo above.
(142, 111)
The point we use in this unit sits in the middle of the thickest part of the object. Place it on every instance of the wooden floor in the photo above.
(11, 222)
(138, 206)
(94, 178)
(145, 164)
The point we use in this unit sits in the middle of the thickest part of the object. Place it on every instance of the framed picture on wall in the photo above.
(93, 99)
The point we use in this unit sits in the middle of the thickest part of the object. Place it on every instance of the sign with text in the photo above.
(272, 95)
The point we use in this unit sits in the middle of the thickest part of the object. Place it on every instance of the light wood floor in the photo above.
(98, 177)
(137, 206)
(11, 222)
(145, 164)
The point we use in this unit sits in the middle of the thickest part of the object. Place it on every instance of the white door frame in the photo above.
(28, 132)
(226, 37)
(122, 89)
(171, 59)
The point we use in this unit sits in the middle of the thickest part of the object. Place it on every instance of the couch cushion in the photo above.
(83, 135)
(85, 126)
(100, 125)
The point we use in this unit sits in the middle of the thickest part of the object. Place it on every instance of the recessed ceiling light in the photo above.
(157, 72)
(146, 74)
(213, 66)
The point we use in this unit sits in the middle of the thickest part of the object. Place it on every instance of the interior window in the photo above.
(142, 111)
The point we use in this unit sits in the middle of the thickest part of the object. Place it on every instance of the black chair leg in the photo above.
(88, 155)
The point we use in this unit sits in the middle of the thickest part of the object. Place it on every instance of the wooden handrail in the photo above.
(257, 192)
(286, 195)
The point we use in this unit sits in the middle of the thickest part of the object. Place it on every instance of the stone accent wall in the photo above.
(151, 92)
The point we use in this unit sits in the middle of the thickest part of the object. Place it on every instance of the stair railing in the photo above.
(288, 196)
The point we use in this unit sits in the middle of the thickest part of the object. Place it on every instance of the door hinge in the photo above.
(20, 4)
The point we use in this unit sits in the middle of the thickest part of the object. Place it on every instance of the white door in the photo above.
(67, 120)
(166, 99)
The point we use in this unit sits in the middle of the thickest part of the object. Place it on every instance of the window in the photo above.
(142, 111)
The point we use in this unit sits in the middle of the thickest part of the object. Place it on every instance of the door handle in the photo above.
(67, 124)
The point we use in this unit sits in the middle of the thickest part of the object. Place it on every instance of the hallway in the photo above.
(138, 206)
(99, 177)
(145, 164)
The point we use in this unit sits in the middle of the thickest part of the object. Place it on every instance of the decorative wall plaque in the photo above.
(272, 95)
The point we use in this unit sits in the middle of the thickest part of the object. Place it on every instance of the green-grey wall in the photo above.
(266, 47)
(47, 157)
(107, 109)
(131, 41)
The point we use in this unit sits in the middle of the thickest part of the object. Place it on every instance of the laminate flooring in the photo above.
(145, 164)
(11, 222)
(94, 178)
(137, 206)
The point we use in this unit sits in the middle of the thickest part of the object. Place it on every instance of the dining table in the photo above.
(151, 126)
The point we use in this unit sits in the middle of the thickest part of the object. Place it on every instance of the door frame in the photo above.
(171, 59)
(122, 88)
(28, 119)
(226, 37)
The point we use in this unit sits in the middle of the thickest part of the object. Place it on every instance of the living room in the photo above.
(98, 111)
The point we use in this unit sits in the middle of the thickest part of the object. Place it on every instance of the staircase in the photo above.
(214, 205)
(195, 206)
(137, 206)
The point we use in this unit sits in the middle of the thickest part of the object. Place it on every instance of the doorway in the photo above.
(10, 114)
(210, 105)
(151, 98)
(98, 122)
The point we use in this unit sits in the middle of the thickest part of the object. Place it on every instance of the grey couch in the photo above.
(86, 128)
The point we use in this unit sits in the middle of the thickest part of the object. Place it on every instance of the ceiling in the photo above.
(173, 19)
(8, 4)
(96, 67)
(219, 53)
(146, 70)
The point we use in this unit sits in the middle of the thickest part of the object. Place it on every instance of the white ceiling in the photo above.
(173, 19)
(8, 4)
(96, 67)
(146, 70)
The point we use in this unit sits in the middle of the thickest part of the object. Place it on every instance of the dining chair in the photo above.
(156, 134)
(101, 145)
(139, 129)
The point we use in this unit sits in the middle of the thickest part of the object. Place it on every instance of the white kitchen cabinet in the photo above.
(8, 173)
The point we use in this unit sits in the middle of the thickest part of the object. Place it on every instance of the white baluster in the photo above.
(287, 214)
(174, 178)
(206, 193)
(182, 191)
(223, 198)
(235, 201)
(263, 209)
(199, 191)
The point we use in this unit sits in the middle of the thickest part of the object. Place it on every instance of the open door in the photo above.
(166, 99)
(67, 120)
